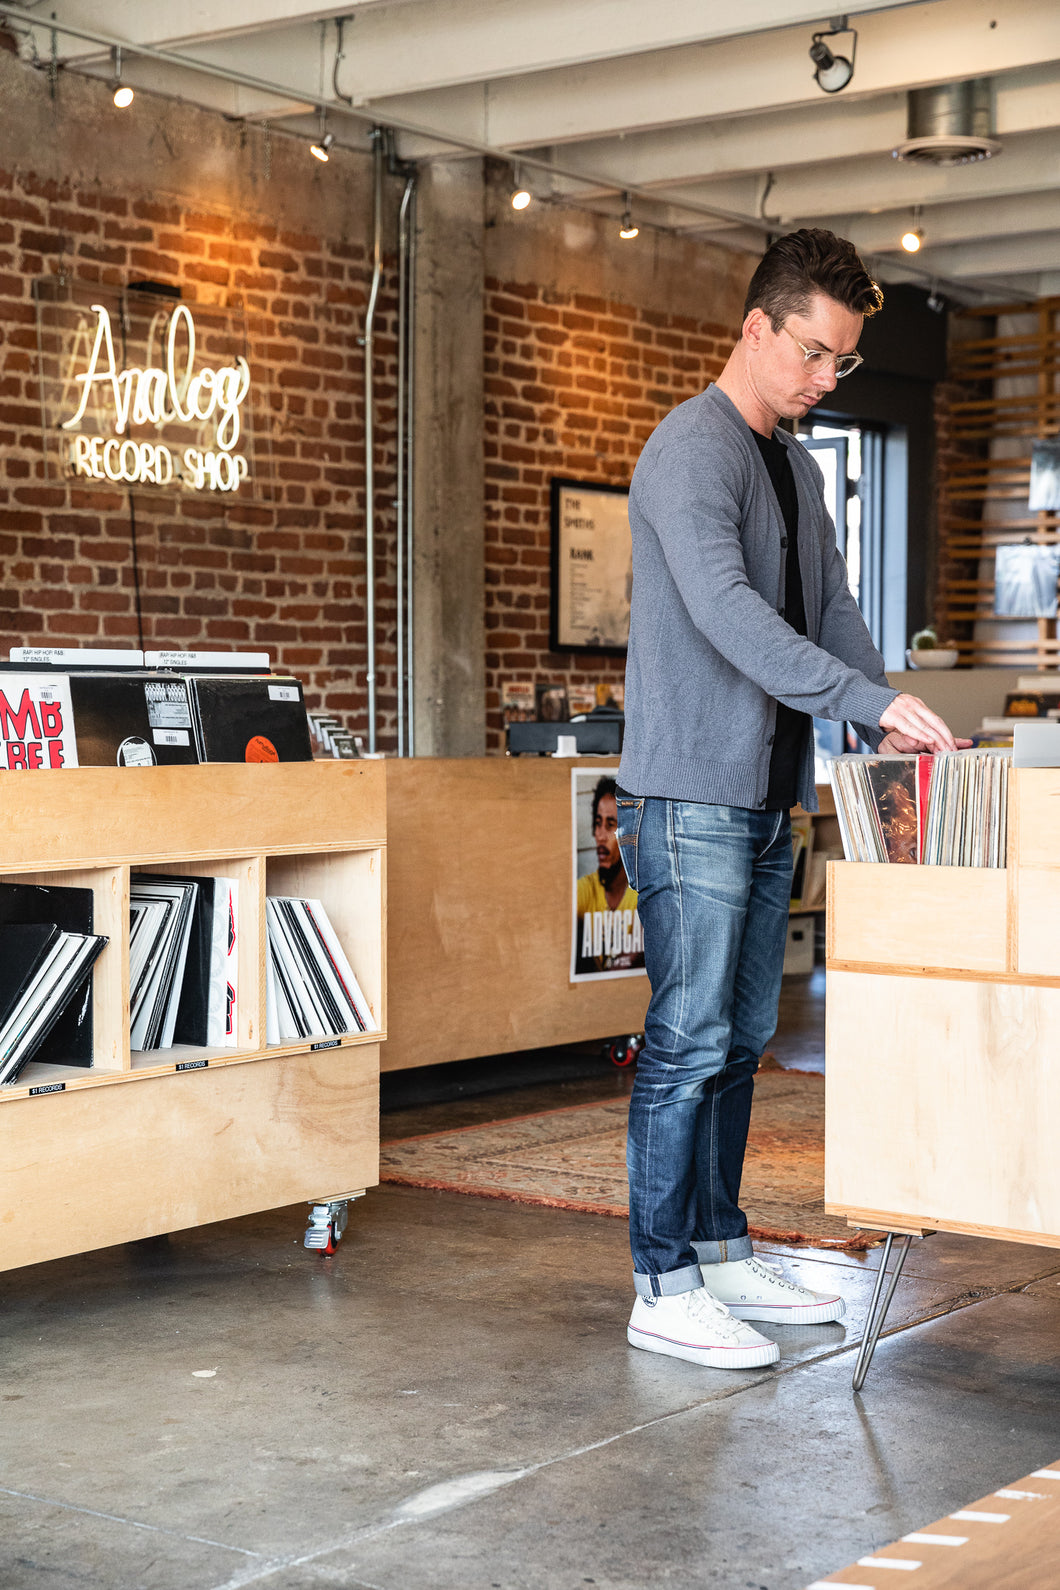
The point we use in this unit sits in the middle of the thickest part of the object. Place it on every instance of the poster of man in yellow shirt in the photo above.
(607, 938)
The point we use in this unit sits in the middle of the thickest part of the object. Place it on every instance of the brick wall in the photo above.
(575, 384)
(587, 345)
(285, 574)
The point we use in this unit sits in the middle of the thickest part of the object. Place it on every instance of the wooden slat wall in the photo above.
(974, 482)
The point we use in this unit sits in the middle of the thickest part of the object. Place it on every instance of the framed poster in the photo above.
(1045, 476)
(1025, 580)
(592, 567)
(606, 937)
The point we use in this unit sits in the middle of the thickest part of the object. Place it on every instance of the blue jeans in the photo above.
(714, 883)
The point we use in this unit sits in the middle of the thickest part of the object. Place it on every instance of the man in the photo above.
(742, 630)
(606, 941)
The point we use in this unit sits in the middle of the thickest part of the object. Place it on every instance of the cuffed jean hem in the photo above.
(724, 1252)
(672, 1284)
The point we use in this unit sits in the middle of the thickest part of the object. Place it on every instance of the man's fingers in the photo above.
(911, 716)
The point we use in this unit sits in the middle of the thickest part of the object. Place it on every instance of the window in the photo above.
(865, 489)
(864, 470)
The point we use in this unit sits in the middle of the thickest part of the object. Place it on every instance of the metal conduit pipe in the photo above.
(399, 500)
(410, 475)
(369, 428)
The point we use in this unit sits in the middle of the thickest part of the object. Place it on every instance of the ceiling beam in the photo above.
(996, 256)
(1020, 215)
(808, 134)
(211, 93)
(409, 46)
(162, 22)
(856, 187)
(943, 41)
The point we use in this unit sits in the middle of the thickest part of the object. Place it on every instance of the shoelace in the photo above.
(705, 1308)
(771, 1272)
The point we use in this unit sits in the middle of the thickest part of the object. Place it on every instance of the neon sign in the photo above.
(209, 399)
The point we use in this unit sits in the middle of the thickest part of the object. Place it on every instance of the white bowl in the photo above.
(932, 657)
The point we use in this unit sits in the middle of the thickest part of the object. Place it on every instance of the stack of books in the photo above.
(310, 987)
(949, 810)
(47, 951)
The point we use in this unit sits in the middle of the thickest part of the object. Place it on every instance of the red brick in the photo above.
(201, 221)
(217, 275)
(149, 259)
(152, 210)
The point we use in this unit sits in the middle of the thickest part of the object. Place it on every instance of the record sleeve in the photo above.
(152, 1019)
(132, 720)
(57, 987)
(204, 1009)
(36, 721)
(24, 949)
(245, 718)
(330, 940)
(69, 1041)
(893, 782)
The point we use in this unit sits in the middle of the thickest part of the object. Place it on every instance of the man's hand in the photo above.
(912, 726)
(895, 743)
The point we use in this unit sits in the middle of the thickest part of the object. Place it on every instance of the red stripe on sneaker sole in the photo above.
(698, 1347)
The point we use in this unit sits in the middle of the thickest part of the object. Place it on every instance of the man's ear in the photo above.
(754, 326)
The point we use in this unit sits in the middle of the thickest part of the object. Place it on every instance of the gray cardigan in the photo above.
(709, 654)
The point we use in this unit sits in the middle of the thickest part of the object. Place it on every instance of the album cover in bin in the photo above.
(71, 911)
(249, 718)
(36, 720)
(132, 720)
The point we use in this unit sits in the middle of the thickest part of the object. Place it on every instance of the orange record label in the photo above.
(259, 749)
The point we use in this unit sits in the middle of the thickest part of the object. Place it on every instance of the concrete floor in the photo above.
(449, 1403)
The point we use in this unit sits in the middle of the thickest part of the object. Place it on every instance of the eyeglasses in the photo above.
(818, 358)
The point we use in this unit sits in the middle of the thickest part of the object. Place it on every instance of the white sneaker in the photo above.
(696, 1326)
(752, 1289)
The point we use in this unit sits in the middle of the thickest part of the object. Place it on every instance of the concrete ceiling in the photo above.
(706, 113)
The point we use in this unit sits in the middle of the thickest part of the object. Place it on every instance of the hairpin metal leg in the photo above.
(877, 1310)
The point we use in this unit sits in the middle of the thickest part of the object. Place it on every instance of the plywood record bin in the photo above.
(943, 1038)
(147, 1142)
(480, 912)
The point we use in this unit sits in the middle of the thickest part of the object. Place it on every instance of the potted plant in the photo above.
(925, 652)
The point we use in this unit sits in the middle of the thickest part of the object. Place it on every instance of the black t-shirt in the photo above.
(789, 740)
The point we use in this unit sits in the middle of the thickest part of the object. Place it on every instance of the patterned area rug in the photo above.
(575, 1158)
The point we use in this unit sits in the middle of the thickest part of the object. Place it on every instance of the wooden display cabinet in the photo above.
(480, 909)
(143, 1143)
(480, 912)
(942, 1075)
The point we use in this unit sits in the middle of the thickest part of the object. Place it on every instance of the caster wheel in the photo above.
(623, 1052)
(327, 1222)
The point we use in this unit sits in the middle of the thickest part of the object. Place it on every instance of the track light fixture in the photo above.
(833, 72)
(324, 140)
(521, 195)
(912, 239)
(627, 229)
(123, 94)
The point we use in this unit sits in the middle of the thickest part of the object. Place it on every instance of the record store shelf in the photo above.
(943, 1036)
(159, 1140)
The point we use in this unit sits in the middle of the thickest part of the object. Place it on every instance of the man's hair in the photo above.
(797, 267)
(605, 786)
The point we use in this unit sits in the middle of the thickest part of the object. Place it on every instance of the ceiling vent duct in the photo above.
(950, 125)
